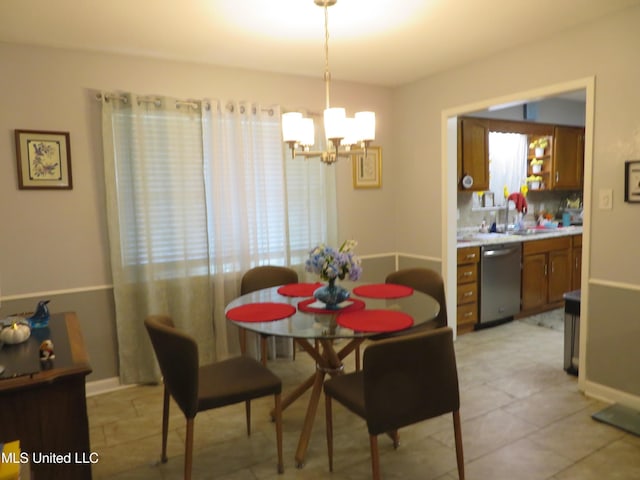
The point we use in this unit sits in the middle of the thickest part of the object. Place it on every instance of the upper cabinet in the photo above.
(555, 159)
(568, 158)
(473, 154)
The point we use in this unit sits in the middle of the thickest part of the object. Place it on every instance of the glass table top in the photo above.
(315, 325)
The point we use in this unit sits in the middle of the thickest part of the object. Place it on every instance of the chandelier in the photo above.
(345, 136)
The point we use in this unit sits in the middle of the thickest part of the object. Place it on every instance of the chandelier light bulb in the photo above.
(366, 126)
(291, 127)
(307, 132)
(334, 120)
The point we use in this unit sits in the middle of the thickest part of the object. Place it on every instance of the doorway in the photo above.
(449, 182)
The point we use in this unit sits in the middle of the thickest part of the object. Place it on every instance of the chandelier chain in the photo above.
(327, 73)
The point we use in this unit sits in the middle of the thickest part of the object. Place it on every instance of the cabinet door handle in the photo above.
(557, 177)
(553, 267)
(467, 274)
(467, 294)
(470, 256)
(545, 270)
(468, 314)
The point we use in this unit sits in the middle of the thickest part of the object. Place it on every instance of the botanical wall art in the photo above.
(44, 160)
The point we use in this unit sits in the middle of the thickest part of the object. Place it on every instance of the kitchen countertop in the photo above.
(477, 239)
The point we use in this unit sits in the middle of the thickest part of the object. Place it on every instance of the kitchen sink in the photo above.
(532, 231)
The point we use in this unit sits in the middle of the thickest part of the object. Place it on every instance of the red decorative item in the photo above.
(299, 289)
(375, 321)
(261, 312)
(383, 290)
(305, 306)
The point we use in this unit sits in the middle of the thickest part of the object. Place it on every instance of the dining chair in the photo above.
(424, 280)
(196, 387)
(404, 380)
(257, 278)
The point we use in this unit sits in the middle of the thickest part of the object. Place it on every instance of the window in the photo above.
(210, 191)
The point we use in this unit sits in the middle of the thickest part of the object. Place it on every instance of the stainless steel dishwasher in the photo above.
(500, 280)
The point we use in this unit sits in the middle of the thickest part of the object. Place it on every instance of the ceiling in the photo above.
(378, 42)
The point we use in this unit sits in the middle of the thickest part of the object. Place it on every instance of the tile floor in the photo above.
(522, 418)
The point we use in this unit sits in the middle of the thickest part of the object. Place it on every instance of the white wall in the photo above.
(55, 242)
(607, 50)
(62, 234)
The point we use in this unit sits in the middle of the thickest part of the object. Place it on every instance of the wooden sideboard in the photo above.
(47, 410)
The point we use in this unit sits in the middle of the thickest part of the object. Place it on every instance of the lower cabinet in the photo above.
(576, 261)
(467, 297)
(546, 273)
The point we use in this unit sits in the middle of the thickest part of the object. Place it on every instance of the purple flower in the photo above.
(330, 263)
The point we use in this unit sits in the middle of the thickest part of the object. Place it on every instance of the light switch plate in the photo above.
(606, 199)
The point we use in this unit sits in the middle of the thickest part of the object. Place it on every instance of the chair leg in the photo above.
(395, 436)
(329, 424)
(247, 411)
(278, 415)
(293, 349)
(264, 351)
(165, 424)
(188, 449)
(458, 436)
(358, 358)
(375, 457)
(242, 336)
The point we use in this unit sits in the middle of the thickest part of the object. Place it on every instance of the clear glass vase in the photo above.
(331, 294)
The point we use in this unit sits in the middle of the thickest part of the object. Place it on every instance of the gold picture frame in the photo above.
(367, 171)
(44, 160)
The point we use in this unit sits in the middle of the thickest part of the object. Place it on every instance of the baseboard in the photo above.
(106, 385)
(611, 395)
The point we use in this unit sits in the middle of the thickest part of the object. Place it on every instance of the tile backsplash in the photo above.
(471, 213)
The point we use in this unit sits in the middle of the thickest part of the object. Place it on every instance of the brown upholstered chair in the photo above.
(404, 380)
(196, 388)
(257, 278)
(423, 280)
(427, 281)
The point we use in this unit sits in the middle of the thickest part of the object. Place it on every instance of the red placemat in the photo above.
(375, 320)
(383, 290)
(299, 289)
(261, 312)
(305, 306)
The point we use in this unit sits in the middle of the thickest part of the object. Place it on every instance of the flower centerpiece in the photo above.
(331, 264)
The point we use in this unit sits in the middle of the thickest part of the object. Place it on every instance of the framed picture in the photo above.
(367, 171)
(632, 181)
(44, 160)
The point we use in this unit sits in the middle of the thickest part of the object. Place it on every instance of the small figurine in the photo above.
(46, 351)
(40, 318)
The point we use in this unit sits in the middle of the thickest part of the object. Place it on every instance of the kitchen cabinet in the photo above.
(539, 160)
(576, 261)
(568, 158)
(546, 273)
(561, 163)
(473, 153)
(467, 289)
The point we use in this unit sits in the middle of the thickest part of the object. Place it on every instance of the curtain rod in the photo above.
(192, 103)
(155, 100)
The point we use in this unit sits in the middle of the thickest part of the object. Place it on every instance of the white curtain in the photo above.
(507, 162)
(156, 214)
(198, 193)
(262, 210)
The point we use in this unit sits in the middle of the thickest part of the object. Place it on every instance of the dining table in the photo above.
(328, 335)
